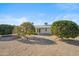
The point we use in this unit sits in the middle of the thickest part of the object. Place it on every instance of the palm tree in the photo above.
(46, 23)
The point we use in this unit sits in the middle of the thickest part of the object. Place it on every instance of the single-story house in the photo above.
(43, 29)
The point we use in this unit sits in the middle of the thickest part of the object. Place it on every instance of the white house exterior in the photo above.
(43, 29)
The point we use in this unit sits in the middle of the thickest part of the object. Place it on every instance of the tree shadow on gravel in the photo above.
(72, 42)
(8, 38)
(36, 40)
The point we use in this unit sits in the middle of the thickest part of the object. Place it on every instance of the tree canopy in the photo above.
(65, 28)
(24, 29)
(6, 29)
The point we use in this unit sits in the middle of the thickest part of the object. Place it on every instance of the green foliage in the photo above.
(28, 28)
(65, 29)
(24, 29)
(6, 29)
(46, 23)
(17, 30)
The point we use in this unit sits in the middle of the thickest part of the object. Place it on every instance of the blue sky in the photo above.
(38, 13)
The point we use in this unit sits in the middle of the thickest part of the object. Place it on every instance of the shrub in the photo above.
(24, 29)
(28, 28)
(6, 29)
(17, 30)
(65, 29)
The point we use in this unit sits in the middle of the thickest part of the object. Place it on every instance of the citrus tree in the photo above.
(65, 29)
(24, 30)
(17, 31)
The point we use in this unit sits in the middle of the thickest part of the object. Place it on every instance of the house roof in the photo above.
(42, 26)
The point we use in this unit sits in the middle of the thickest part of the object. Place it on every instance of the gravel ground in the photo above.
(38, 46)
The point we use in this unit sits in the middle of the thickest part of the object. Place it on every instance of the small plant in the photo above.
(65, 29)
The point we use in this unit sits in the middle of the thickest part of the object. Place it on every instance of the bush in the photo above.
(17, 30)
(6, 29)
(28, 28)
(24, 29)
(65, 29)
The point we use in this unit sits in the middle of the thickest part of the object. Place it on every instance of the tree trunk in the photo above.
(23, 37)
(61, 39)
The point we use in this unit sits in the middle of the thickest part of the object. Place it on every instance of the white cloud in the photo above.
(38, 20)
(72, 17)
(21, 20)
(7, 19)
(67, 6)
(41, 14)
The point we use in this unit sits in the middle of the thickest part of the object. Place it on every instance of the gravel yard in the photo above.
(38, 46)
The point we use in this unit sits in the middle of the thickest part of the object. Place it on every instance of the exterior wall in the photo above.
(43, 31)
